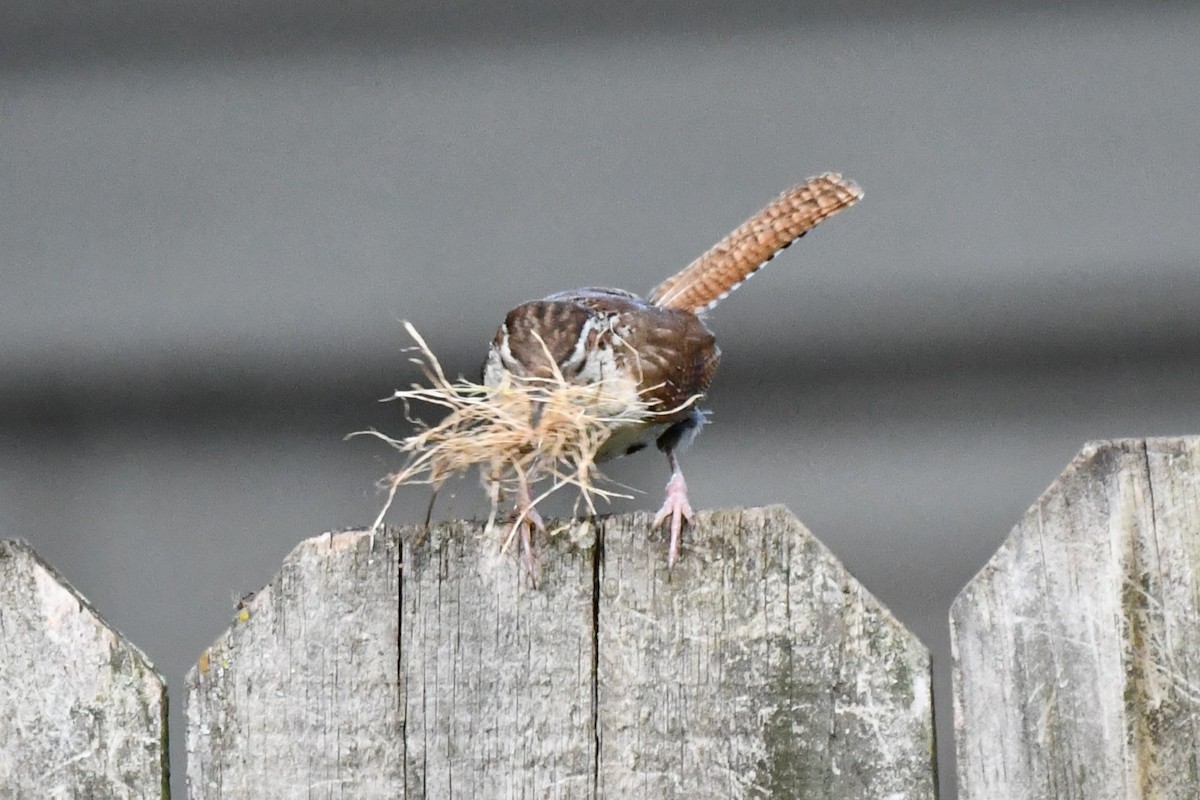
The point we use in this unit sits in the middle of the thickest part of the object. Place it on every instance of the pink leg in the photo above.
(526, 520)
(676, 508)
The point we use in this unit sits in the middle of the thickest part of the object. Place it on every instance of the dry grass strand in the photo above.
(523, 431)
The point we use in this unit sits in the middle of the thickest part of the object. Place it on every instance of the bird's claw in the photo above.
(525, 522)
(677, 509)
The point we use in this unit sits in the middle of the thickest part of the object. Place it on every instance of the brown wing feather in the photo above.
(711, 277)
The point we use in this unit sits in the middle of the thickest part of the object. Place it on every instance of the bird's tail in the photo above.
(710, 278)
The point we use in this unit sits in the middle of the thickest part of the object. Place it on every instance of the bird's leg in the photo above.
(675, 507)
(526, 520)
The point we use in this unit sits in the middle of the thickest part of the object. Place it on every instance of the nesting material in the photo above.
(522, 432)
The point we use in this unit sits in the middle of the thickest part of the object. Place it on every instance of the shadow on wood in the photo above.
(757, 667)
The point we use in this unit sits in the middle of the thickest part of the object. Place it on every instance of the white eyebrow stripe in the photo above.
(579, 353)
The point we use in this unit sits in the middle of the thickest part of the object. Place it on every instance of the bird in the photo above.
(658, 346)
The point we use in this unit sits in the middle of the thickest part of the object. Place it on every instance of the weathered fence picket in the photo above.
(754, 665)
(757, 667)
(82, 712)
(1078, 646)
(299, 697)
(426, 667)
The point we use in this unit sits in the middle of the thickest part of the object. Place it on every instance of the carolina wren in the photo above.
(659, 345)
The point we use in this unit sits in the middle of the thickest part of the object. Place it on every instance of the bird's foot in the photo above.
(525, 521)
(677, 509)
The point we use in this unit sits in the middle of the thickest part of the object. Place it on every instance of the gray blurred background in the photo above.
(214, 215)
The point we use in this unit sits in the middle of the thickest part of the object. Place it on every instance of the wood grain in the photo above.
(497, 676)
(299, 698)
(756, 668)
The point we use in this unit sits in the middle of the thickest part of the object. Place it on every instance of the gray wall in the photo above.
(214, 216)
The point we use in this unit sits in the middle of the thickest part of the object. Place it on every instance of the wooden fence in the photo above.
(756, 668)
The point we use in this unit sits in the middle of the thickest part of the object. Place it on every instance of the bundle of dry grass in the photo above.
(519, 433)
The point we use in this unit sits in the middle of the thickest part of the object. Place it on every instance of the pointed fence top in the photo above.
(1077, 647)
(84, 710)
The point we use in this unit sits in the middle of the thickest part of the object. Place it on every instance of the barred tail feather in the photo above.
(711, 277)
